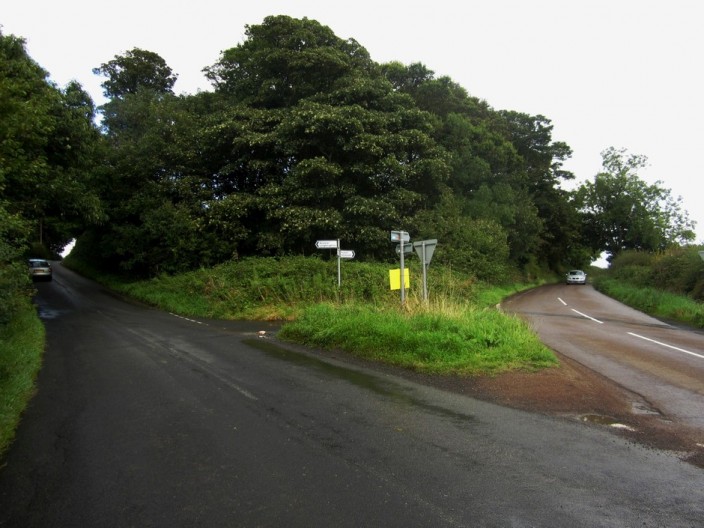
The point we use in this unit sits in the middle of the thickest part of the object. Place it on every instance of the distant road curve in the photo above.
(661, 362)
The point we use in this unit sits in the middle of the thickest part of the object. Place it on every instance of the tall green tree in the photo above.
(136, 69)
(317, 142)
(284, 60)
(504, 164)
(152, 184)
(49, 148)
(622, 211)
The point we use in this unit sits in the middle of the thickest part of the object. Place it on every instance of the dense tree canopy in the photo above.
(49, 149)
(303, 137)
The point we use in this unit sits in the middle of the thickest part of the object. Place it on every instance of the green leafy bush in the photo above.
(21, 348)
(14, 278)
(677, 270)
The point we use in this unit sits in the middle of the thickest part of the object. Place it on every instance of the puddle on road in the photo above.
(644, 408)
(369, 382)
(598, 419)
(47, 313)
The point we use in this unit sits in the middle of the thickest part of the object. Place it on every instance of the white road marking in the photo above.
(588, 317)
(243, 392)
(666, 345)
(563, 302)
(189, 357)
(187, 319)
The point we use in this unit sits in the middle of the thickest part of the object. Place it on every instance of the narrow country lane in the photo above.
(146, 419)
(661, 362)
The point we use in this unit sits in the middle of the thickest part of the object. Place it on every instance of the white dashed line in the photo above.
(666, 345)
(187, 319)
(563, 302)
(587, 316)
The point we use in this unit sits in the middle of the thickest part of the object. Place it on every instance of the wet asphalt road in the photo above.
(660, 362)
(146, 419)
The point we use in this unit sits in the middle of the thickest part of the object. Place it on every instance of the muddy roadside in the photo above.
(570, 391)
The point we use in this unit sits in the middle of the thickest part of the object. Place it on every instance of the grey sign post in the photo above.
(425, 250)
(401, 237)
(332, 244)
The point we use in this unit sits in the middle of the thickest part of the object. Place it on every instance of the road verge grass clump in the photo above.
(655, 302)
(260, 288)
(668, 284)
(22, 341)
(469, 341)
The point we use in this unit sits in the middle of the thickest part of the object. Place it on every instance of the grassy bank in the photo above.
(21, 347)
(467, 341)
(458, 331)
(655, 302)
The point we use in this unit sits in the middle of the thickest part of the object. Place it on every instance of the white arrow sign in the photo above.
(398, 236)
(326, 244)
(346, 254)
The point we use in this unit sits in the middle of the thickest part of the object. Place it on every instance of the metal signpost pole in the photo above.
(425, 250)
(401, 237)
(403, 282)
(425, 276)
(331, 244)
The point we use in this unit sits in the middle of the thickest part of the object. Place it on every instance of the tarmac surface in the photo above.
(146, 419)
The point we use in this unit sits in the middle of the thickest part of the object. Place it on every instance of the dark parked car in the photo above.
(576, 277)
(40, 269)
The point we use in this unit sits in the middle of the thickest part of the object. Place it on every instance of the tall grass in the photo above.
(279, 288)
(21, 346)
(465, 340)
(655, 302)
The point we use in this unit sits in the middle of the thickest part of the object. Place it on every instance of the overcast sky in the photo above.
(621, 73)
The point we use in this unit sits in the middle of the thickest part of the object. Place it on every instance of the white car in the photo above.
(576, 277)
(39, 269)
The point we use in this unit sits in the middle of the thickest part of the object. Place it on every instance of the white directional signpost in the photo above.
(407, 249)
(327, 244)
(400, 236)
(341, 254)
(425, 250)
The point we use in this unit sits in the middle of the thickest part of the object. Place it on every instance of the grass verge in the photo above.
(22, 342)
(457, 332)
(469, 341)
(654, 302)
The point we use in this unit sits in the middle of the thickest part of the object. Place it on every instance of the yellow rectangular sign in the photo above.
(395, 278)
